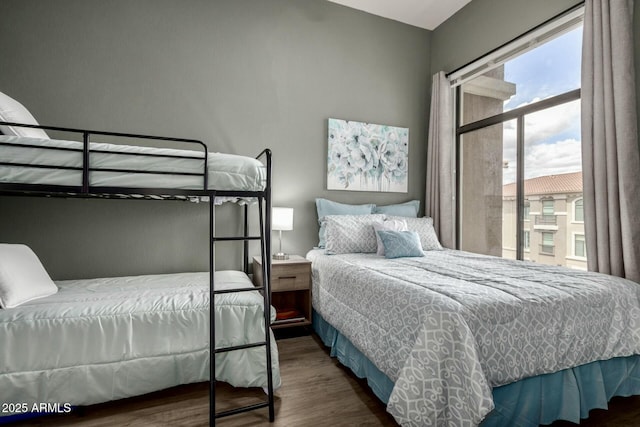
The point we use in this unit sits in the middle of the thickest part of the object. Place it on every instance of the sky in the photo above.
(552, 136)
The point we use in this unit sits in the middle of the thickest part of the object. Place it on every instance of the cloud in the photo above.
(542, 126)
(552, 142)
(545, 159)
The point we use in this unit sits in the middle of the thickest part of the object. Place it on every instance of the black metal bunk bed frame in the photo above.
(86, 190)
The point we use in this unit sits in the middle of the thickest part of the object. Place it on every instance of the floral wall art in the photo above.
(367, 157)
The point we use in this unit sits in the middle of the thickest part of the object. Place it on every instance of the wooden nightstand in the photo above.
(290, 289)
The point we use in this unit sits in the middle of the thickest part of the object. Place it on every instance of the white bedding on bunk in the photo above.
(449, 326)
(104, 339)
(226, 171)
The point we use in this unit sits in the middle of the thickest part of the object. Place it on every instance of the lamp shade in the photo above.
(282, 219)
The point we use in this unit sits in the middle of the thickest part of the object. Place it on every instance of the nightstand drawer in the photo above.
(290, 290)
(290, 277)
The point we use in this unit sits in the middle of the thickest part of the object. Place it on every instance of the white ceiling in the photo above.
(420, 13)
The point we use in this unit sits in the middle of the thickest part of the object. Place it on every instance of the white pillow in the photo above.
(388, 225)
(347, 234)
(12, 111)
(424, 228)
(22, 276)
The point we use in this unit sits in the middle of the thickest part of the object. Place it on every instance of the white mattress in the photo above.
(105, 339)
(226, 171)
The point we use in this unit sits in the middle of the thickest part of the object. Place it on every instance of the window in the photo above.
(519, 143)
(579, 248)
(548, 211)
(547, 247)
(578, 210)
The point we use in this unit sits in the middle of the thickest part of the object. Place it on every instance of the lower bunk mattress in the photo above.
(449, 328)
(105, 339)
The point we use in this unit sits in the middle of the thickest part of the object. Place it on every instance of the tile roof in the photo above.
(565, 183)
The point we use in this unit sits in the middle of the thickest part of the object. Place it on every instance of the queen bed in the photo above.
(455, 338)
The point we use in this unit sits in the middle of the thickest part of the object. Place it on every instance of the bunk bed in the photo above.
(103, 339)
(447, 337)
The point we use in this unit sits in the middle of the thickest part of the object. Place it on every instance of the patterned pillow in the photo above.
(398, 244)
(329, 207)
(424, 228)
(390, 225)
(351, 233)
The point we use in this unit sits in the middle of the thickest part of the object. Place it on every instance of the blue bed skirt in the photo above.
(566, 395)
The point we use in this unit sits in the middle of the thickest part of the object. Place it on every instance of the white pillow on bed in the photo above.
(351, 233)
(22, 276)
(12, 111)
(424, 228)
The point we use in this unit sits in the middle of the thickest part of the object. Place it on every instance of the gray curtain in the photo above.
(439, 197)
(610, 153)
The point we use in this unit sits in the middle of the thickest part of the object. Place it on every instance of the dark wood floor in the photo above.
(316, 391)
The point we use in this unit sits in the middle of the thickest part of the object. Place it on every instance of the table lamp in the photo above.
(282, 220)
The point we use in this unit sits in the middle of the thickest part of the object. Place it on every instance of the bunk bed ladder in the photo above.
(264, 213)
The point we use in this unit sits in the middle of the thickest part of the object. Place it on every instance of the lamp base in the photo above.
(280, 256)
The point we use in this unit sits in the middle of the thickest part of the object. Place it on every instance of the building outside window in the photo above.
(566, 190)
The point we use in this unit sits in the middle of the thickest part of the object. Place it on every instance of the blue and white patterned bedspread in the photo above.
(448, 327)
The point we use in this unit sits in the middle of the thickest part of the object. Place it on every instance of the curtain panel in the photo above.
(610, 154)
(439, 198)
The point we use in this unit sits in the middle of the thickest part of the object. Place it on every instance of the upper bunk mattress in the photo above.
(104, 339)
(147, 166)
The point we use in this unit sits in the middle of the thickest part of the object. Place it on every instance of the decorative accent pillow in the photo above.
(351, 233)
(328, 207)
(22, 276)
(399, 244)
(388, 225)
(424, 228)
(408, 209)
(12, 111)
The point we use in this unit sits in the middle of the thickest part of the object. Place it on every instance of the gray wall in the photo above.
(239, 74)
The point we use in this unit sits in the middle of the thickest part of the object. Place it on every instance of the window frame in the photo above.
(546, 31)
(518, 114)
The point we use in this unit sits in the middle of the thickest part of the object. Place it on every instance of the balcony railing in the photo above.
(547, 249)
(546, 220)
